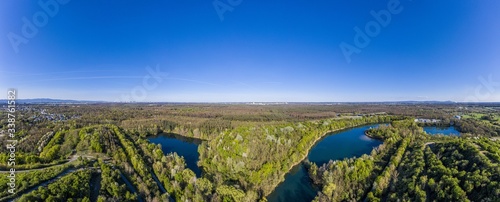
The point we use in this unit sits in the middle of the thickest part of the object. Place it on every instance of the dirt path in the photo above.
(73, 158)
(428, 143)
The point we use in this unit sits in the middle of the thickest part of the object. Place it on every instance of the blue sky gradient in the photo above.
(260, 51)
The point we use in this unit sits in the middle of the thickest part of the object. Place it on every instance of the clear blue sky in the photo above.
(259, 51)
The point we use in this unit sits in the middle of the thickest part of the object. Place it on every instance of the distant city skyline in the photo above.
(251, 51)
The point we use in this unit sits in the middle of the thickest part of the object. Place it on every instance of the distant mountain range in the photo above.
(64, 101)
(51, 101)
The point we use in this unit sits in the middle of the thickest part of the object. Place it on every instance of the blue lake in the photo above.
(185, 147)
(432, 130)
(334, 146)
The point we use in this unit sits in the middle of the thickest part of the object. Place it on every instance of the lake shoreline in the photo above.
(309, 148)
(372, 137)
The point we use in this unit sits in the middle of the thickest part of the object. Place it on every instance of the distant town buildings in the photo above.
(35, 114)
(427, 120)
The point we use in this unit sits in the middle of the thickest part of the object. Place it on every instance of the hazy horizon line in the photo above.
(255, 102)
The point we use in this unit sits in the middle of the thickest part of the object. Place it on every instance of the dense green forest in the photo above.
(100, 152)
(413, 166)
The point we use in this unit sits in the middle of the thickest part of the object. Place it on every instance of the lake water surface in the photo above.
(335, 146)
(185, 147)
(432, 130)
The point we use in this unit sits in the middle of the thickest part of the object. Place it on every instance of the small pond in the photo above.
(433, 130)
(183, 146)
